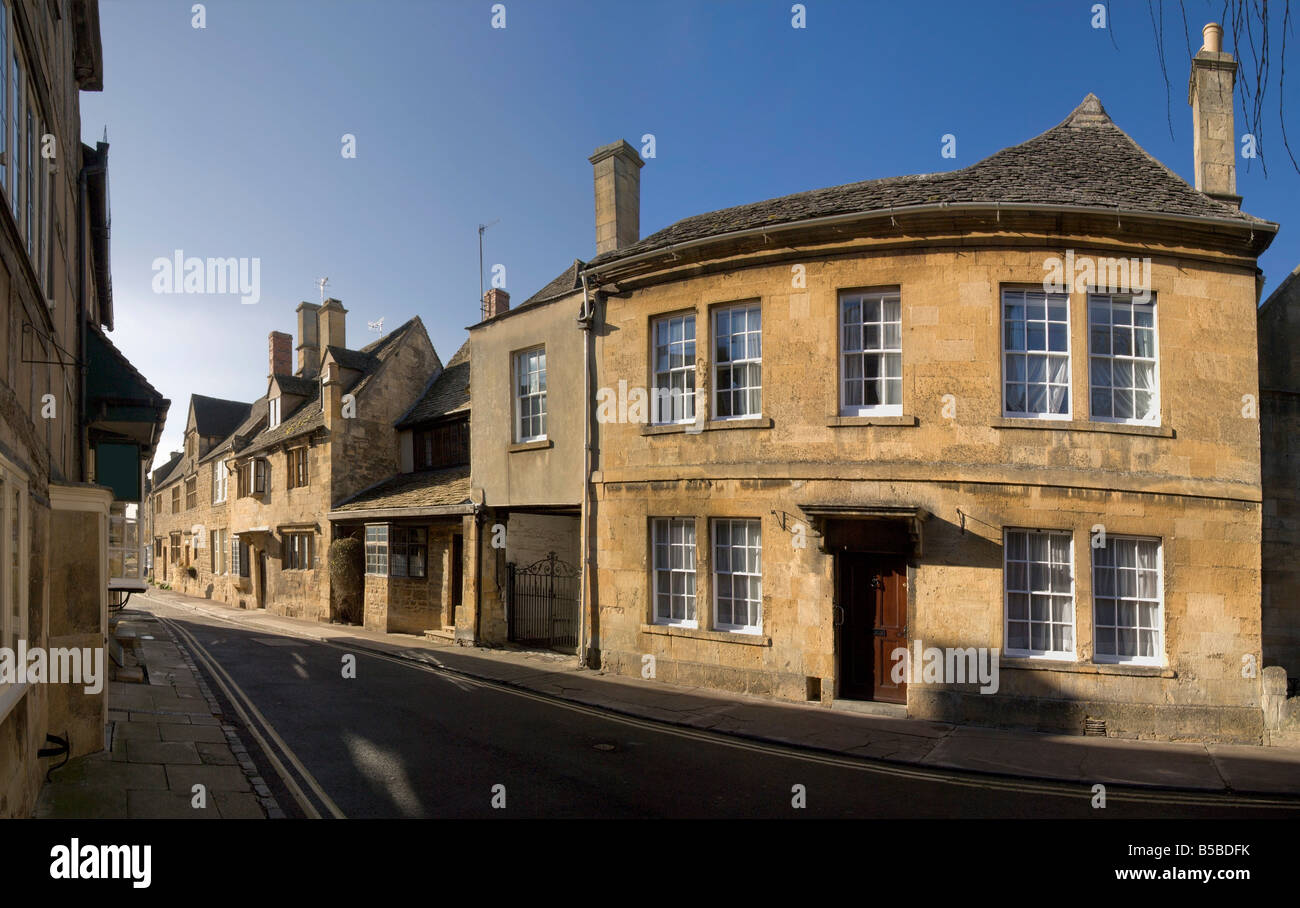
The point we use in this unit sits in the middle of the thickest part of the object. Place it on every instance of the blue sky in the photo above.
(226, 140)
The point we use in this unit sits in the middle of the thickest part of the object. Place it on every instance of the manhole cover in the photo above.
(604, 747)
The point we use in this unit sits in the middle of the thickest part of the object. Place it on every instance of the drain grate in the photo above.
(1094, 728)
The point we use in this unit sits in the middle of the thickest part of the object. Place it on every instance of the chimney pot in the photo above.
(616, 169)
(1213, 35)
(495, 302)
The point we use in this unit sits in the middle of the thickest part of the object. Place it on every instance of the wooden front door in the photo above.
(872, 616)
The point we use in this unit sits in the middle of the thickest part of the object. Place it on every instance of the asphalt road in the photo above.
(399, 740)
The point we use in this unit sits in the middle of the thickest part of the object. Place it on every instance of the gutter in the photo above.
(836, 219)
(441, 510)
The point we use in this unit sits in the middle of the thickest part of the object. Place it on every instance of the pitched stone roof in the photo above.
(238, 439)
(432, 488)
(216, 417)
(568, 281)
(350, 359)
(308, 417)
(162, 475)
(296, 384)
(1085, 161)
(447, 394)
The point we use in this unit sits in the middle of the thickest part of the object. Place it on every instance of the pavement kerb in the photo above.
(404, 652)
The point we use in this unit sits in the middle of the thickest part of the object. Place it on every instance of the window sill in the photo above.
(10, 696)
(673, 630)
(1068, 425)
(1087, 668)
(837, 421)
(711, 425)
(530, 446)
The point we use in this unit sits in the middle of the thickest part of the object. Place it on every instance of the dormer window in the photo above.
(273, 413)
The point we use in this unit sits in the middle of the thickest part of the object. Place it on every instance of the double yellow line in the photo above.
(248, 712)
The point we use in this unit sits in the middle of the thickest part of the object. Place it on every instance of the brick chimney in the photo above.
(308, 340)
(617, 171)
(1209, 91)
(332, 326)
(495, 301)
(281, 353)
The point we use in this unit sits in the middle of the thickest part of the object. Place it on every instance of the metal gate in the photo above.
(543, 602)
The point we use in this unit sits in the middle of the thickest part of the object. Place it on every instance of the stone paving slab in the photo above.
(164, 752)
(215, 778)
(168, 805)
(208, 733)
(1245, 768)
(237, 805)
(216, 754)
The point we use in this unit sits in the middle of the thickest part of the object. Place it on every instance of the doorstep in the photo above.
(872, 708)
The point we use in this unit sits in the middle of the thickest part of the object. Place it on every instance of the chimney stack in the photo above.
(1209, 91)
(332, 330)
(308, 340)
(617, 171)
(495, 301)
(281, 356)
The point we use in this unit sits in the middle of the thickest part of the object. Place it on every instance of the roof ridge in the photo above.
(374, 345)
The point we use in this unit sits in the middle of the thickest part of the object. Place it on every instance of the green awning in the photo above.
(121, 405)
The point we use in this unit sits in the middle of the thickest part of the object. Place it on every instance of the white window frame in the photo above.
(119, 517)
(1109, 300)
(376, 543)
(18, 76)
(688, 571)
(220, 481)
(731, 627)
(731, 363)
(663, 386)
(882, 349)
(1029, 652)
(15, 555)
(1004, 299)
(523, 366)
(1158, 601)
(29, 204)
(240, 558)
(273, 413)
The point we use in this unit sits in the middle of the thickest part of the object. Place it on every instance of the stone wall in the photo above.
(1279, 413)
(545, 473)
